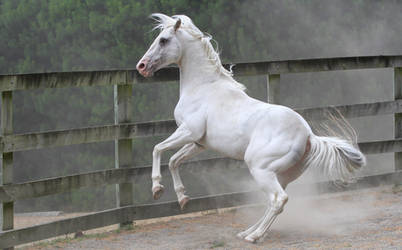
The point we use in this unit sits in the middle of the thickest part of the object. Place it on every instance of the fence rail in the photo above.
(119, 77)
(21, 142)
(123, 131)
(38, 188)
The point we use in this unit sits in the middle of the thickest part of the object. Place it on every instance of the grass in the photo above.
(396, 188)
(217, 243)
(127, 227)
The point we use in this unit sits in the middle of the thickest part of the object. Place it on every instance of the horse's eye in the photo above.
(163, 41)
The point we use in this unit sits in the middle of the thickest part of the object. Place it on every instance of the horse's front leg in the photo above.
(181, 136)
(186, 152)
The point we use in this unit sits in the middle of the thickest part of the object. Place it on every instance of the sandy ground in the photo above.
(365, 219)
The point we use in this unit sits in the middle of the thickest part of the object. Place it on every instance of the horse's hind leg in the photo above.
(261, 182)
(268, 181)
(264, 169)
(184, 153)
(277, 200)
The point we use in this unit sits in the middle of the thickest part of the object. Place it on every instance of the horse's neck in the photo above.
(195, 69)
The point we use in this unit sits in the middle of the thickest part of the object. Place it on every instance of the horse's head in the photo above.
(165, 49)
(181, 42)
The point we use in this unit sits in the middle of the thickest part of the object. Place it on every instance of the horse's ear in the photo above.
(177, 25)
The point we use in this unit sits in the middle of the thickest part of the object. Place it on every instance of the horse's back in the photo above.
(235, 120)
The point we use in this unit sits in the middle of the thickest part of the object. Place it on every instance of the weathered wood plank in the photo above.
(398, 115)
(360, 183)
(6, 113)
(123, 155)
(62, 79)
(56, 185)
(273, 83)
(30, 141)
(118, 215)
(355, 110)
(377, 147)
(7, 211)
(316, 65)
(113, 77)
(20, 191)
(130, 213)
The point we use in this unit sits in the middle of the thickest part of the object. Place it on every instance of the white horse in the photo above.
(215, 113)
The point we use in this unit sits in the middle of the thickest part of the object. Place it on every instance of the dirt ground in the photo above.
(364, 219)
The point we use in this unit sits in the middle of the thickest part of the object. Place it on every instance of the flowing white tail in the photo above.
(339, 157)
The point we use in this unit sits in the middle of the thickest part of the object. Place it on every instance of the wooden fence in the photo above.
(124, 130)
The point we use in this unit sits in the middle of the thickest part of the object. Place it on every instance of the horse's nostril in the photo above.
(141, 66)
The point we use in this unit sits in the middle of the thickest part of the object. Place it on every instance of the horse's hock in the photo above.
(124, 130)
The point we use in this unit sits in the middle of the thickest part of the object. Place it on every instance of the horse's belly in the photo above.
(229, 144)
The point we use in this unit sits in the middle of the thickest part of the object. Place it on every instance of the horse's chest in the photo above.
(187, 111)
(179, 114)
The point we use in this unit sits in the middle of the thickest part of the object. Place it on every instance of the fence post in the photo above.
(273, 88)
(398, 116)
(123, 148)
(7, 158)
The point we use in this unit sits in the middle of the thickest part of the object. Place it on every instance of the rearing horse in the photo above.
(215, 113)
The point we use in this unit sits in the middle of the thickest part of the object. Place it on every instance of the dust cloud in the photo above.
(329, 214)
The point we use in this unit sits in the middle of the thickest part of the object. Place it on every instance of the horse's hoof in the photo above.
(183, 202)
(157, 192)
(250, 239)
(241, 235)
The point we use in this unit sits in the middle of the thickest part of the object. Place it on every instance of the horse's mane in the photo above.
(187, 24)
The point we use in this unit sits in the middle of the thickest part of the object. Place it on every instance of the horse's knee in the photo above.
(172, 163)
(279, 201)
(156, 178)
(156, 151)
(179, 189)
(283, 200)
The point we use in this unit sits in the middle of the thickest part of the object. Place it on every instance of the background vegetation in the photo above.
(69, 35)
